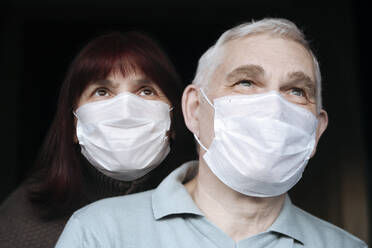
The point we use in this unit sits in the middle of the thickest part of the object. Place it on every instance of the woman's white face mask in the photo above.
(124, 137)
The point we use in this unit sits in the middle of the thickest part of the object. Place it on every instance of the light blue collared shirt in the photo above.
(168, 217)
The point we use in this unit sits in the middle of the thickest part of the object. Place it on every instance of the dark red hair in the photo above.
(59, 166)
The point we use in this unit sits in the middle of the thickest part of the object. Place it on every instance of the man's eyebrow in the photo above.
(300, 77)
(247, 71)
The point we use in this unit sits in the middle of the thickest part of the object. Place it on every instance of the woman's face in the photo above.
(135, 83)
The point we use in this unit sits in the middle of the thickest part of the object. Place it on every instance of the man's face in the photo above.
(258, 64)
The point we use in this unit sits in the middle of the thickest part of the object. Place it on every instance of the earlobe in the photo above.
(190, 108)
(322, 126)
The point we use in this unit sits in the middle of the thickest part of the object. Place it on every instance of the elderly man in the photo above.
(255, 110)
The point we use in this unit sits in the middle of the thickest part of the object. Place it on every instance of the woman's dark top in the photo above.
(21, 224)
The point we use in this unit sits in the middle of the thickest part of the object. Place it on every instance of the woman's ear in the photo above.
(322, 125)
(190, 108)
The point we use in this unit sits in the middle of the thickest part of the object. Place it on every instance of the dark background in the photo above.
(38, 40)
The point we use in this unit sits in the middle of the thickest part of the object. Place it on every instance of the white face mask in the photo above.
(124, 137)
(262, 143)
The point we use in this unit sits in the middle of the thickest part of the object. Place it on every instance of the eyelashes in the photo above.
(293, 93)
(297, 92)
(245, 83)
(144, 91)
(147, 91)
(101, 92)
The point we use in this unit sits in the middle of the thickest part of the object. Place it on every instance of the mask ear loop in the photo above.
(206, 98)
(202, 146)
(210, 103)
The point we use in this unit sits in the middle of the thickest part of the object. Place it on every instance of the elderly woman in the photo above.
(118, 130)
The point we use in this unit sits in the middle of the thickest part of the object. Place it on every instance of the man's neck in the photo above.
(238, 215)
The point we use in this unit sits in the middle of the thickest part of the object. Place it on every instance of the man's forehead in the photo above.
(255, 54)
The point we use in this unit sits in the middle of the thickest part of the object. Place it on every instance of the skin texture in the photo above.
(251, 65)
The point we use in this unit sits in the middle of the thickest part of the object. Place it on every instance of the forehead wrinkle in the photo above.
(246, 70)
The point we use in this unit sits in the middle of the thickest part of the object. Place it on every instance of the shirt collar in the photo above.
(171, 197)
(287, 222)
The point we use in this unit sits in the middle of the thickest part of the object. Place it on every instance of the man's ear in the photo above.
(322, 125)
(190, 108)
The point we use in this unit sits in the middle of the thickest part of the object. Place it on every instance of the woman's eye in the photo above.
(101, 92)
(147, 92)
(297, 92)
(245, 83)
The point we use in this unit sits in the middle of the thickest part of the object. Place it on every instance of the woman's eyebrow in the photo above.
(247, 71)
(141, 81)
(106, 82)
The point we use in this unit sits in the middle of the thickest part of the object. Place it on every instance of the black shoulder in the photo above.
(21, 224)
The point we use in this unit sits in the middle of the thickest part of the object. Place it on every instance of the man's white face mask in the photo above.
(124, 137)
(262, 143)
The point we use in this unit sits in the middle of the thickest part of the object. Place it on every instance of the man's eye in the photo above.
(101, 92)
(297, 92)
(245, 83)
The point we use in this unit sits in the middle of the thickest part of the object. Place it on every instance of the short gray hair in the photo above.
(211, 59)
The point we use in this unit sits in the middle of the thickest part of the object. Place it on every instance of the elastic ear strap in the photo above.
(75, 114)
(202, 146)
(206, 98)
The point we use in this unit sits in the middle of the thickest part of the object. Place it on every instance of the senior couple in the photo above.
(255, 110)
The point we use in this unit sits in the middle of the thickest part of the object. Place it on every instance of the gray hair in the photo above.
(211, 59)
